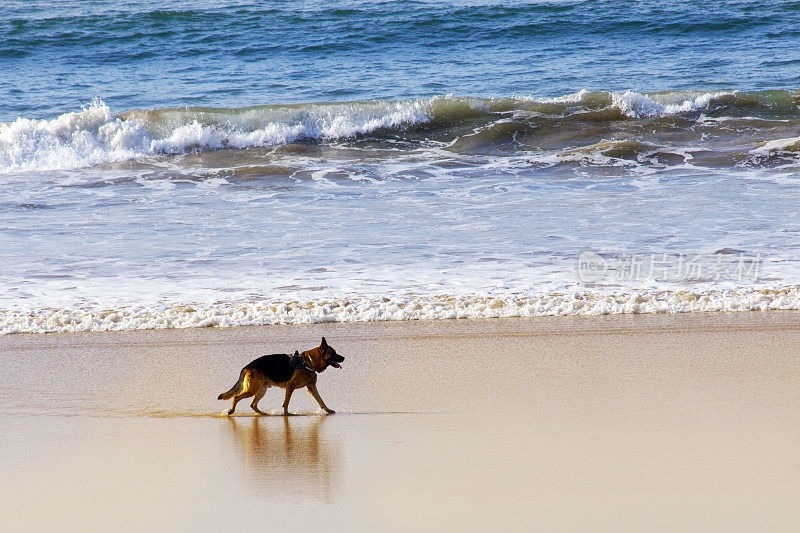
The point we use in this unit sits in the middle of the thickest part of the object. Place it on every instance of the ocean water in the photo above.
(182, 164)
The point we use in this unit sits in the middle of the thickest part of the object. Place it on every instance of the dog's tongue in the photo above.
(334, 364)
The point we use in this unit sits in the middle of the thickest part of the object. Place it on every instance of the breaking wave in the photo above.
(94, 135)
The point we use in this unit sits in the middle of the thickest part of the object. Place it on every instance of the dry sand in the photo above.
(657, 423)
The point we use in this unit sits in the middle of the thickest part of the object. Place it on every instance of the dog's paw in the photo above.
(330, 411)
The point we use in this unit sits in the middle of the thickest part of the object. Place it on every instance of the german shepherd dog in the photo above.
(286, 371)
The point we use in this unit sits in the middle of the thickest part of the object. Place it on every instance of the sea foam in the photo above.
(94, 135)
(791, 145)
(392, 308)
(640, 105)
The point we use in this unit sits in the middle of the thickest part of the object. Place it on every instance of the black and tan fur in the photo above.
(281, 370)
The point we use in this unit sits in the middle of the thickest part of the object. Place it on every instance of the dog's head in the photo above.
(324, 356)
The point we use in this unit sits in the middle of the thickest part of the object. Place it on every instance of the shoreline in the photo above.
(408, 308)
(729, 318)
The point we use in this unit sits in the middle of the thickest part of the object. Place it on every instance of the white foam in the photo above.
(572, 98)
(395, 308)
(638, 105)
(73, 140)
(93, 135)
(778, 145)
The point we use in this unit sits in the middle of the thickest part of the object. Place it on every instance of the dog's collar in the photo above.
(307, 361)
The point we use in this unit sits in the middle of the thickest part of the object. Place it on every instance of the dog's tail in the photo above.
(239, 386)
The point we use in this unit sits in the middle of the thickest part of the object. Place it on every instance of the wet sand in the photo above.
(658, 423)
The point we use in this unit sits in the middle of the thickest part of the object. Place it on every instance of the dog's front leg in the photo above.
(289, 391)
(312, 389)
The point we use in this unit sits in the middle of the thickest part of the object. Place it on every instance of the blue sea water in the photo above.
(56, 56)
(219, 163)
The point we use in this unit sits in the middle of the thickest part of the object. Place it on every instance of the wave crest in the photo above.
(73, 140)
(93, 135)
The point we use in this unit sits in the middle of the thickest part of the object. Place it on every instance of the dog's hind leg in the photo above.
(245, 391)
(233, 405)
(237, 398)
(260, 394)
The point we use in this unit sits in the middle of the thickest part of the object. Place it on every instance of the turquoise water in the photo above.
(180, 164)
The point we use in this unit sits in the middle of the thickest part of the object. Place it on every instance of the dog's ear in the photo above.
(323, 344)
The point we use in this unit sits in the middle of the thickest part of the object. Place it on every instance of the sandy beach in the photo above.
(659, 422)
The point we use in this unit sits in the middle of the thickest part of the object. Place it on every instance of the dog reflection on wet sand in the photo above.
(286, 371)
(288, 450)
